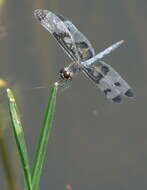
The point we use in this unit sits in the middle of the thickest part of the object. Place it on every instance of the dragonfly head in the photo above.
(65, 73)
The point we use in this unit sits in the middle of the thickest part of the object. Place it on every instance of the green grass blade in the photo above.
(19, 138)
(43, 139)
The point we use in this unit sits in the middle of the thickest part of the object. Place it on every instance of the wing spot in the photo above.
(107, 91)
(117, 84)
(99, 77)
(105, 69)
(82, 44)
(117, 99)
(129, 93)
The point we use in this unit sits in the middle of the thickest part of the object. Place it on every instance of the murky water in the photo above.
(94, 144)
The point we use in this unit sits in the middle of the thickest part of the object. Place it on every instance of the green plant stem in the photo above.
(43, 139)
(19, 138)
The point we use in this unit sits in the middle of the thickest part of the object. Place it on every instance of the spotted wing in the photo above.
(104, 83)
(68, 36)
(117, 80)
(59, 30)
(109, 81)
(84, 47)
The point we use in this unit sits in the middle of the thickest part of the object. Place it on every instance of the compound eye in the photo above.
(66, 75)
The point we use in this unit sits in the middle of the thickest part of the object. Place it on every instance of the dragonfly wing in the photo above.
(59, 30)
(104, 53)
(84, 47)
(117, 80)
(76, 45)
(104, 83)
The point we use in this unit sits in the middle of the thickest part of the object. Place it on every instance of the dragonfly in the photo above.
(83, 58)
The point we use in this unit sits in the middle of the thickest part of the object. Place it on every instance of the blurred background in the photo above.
(94, 144)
